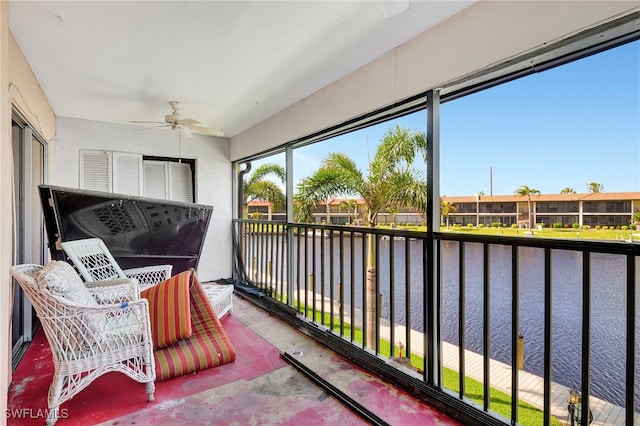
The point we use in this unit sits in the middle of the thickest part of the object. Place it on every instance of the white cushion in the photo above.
(63, 281)
(60, 278)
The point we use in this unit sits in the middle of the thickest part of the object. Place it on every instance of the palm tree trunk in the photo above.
(371, 296)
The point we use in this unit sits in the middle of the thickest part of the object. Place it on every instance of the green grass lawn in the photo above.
(583, 234)
(500, 402)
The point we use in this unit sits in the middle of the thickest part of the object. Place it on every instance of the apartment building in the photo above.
(594, 209)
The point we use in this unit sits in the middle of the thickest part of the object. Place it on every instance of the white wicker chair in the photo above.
(89, 339)
(94, 262)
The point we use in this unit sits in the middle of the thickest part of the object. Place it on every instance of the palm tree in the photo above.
(568, 190)
(595, 187)
(446, 208)
(391, 180)
(348, 205)
(258, 187)
(525, 190)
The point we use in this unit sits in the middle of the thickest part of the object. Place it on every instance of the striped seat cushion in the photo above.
(209, 346)
(169, 310)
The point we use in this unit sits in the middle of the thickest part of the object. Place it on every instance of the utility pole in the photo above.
(490, 180)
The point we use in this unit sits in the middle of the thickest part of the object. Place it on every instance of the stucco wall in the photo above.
(5, 209)
(213, 173)
(486, 33)
(26, 94)
(20, 89)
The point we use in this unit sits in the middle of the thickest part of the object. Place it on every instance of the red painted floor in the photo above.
(114, 395)
(259, 388)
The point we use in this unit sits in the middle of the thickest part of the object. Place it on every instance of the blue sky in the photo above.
(565, 127)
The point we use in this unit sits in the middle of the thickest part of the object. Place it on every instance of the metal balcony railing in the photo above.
(377, 296)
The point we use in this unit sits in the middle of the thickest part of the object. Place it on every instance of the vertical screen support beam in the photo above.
(432, 348)
(290, 219)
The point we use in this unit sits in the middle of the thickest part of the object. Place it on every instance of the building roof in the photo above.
(598, 196)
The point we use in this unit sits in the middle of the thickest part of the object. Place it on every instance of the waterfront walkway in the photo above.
(531, 388)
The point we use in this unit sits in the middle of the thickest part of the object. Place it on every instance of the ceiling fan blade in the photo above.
(148, 122)
(207, 131)
(152, 127)
(187, 121)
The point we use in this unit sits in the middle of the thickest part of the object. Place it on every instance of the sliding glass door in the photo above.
(29, 246)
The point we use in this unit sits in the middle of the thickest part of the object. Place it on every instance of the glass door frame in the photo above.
(30, 170)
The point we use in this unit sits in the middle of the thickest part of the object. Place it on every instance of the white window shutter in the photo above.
(95, 170)
(127, 173)
(155, 179)
(180, 185)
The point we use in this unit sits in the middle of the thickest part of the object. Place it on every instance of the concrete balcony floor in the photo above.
(259, 388)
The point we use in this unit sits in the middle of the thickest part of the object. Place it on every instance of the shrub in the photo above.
(557, 225)
(633, 226)
(598, 227)
(576, 225)
(480, 225)
(442, 225)
(495, 224)
(504, 225)
(624, 227)
(514, 226)
(469, 225)
(586, 227)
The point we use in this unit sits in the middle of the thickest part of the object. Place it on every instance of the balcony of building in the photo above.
(517, 316)
(321, 338)
(430, 320)
(281, 376)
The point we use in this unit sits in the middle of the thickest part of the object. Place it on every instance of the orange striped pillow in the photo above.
(169, 310)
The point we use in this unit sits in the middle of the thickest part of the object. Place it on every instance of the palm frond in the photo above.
(268, 191)
(265, 170)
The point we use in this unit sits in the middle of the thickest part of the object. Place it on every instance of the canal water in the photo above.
(608, 320)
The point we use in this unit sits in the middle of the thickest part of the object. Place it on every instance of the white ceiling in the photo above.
(232, 64)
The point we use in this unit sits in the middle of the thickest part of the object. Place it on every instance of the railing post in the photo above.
(520, 351)
(254, 266)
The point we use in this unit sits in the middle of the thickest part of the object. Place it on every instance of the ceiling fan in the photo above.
(183, 124)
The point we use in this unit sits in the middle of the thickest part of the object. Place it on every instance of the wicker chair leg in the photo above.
(151, 389)
(55, 391)
(52, 416)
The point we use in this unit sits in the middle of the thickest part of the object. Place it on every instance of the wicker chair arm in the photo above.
(115, 290)
(105, 308)
(150, 275)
